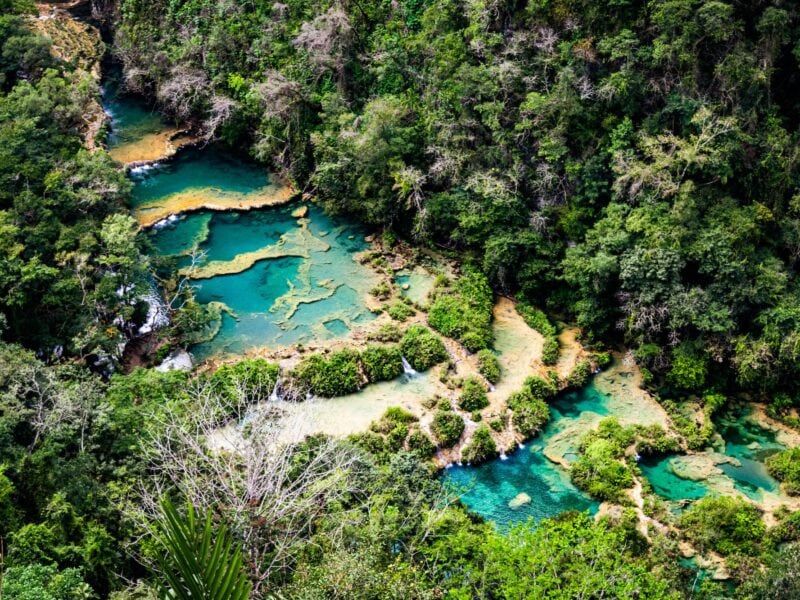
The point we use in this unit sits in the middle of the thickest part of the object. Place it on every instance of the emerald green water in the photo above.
(318, 292)
(208, 168)
(131, 119)
(491, 486)
(744, 440)
(277, 301)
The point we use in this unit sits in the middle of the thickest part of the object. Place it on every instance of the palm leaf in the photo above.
(199, 562)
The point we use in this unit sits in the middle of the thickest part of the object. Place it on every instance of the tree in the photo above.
(199, 561)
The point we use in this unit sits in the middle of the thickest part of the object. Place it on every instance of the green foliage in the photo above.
(725, 525)
(382, 363)
(198, 560)
(779, 581)
(530, 413)
(480, 447)
(473, 395)
(550, 351)
(422, 349)
(580, 375)
(785, 467)
(590, 556)
(421, 444)
(447, 426)
(463, 310)
(654, 439)
(539, 388)
(388, 332)
(44, 582)
(600, 469)
(689, 369)
(337, 374)
(400, 311)
(251, 380)
(488, 365)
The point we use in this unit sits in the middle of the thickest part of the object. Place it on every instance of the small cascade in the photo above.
(407, 368)
(521, 446)
(492, 388)
(503, 455)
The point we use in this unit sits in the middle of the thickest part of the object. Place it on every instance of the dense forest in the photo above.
(630, 167)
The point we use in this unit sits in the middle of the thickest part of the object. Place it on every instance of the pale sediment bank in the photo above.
(153, 147)
(211, 199)
(240, 262)
(299, 243)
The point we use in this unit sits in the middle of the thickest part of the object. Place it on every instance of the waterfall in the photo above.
(503, 455)
(521, 446)
(275, 396)
(407, 368)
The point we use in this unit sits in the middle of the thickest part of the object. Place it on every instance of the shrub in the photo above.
(539, 388)
(400, 311)
(488, 365)
(689, 368)
(724, 524)
(388, 332)
(253, 378)
(369, 441)
(447, 426)
(536, 319)
(497, 424)
(599, 471)
(653, 439)
(381, 291)
(530, 417)
(421, 444)
(382, 363)
(550, 350)
(422, 348)
(463, 310)
(580, 375)
(336, 375)
(785, 467)
(473, 395)
(603, 359)
(393, 416)
(481, 447)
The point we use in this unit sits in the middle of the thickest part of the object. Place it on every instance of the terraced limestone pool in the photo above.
(490, 489)
(282, 275)
(282, 279)
(734, 465)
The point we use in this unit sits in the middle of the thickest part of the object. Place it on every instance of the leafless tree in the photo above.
(247, 470)
(183, 90)
(327, 39)
(222, 108)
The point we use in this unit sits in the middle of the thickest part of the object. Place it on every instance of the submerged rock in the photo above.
(519, 501)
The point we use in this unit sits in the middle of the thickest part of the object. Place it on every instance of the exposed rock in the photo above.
(300, 212)
(406, 286)
(519, 501)
(179, 360)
